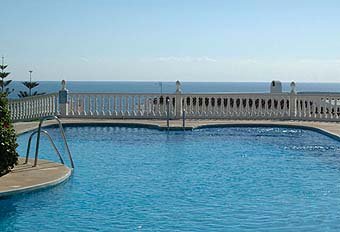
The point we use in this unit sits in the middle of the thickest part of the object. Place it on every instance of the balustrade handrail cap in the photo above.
(32, 97)
(236, 94)
(122, 94)
(318, 93)
(183, 94)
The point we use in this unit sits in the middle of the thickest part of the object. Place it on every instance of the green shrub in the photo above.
(8, 144)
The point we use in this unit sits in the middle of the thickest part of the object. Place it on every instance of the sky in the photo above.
(167, 40)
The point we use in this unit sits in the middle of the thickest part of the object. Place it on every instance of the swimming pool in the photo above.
(213, 179)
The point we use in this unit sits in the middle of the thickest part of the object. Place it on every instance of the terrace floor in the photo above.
(25, 178)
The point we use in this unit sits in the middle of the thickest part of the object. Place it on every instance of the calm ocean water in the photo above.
(170, 87)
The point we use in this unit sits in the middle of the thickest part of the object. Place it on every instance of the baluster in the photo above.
(71, 105)
(37, 108)
(303, 107)
(185, 104)
(335, 115)
(22, 112)
(318, 106)
(45, 105)
(133, 103)
(165, 106)
(15, 110)
(114, 106)
(284, 113)
(26, 113)
(300, 108)
(126, 105)
(146, 105)
(247, 108)
(250, 107)
(313, 108)
(34, 109)
(83, 105)
(120, 105)
(109, 105)
(208, 107)
(78, 105)
(329, 108)
(31, 106)
(49, 108)
(308, 113)
(227, 107)
(322, 113)
(193, 107)
(159, 109)
(40, 106)
(196, 113)
(93, 104)
(265, 112)
(103, 105)
(89, 106)
(18, 108)
(139, 106)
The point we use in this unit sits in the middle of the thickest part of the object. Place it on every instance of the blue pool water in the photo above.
(217, 179)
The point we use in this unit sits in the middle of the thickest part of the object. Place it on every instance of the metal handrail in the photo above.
(62, 134)
(51, 141)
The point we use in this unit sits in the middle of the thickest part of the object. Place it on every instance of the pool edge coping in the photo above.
(40, 186)
(151, 124)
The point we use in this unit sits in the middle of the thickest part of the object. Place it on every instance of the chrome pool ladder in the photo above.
(38, 133)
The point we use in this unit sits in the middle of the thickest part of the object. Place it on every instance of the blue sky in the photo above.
(169, 40)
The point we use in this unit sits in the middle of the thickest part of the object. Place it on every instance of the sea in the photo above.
(169, 87)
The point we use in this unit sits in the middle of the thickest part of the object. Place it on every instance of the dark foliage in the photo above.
(8, 144)
(30, 85)
(3, 84)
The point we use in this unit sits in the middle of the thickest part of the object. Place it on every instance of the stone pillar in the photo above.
(178, 100)
(292, 101)
(63, 99)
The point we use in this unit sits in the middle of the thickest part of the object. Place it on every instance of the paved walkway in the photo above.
(24, 177)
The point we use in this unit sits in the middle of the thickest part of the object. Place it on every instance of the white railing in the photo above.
(30, 108)
(267, 106)
(237, 106)
(317, 107)
(111, 105)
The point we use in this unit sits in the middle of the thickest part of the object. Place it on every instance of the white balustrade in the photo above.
(33, 107)
(280, 106)
(111, 105)
(236, 106)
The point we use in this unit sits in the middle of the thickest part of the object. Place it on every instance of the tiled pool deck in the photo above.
(26, 178)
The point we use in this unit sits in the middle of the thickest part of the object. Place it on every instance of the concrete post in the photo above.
(63, 99)
(292, 102)
(178, 100)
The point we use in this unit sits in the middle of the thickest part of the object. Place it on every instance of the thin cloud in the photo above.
(185, 59)
(84, 59)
